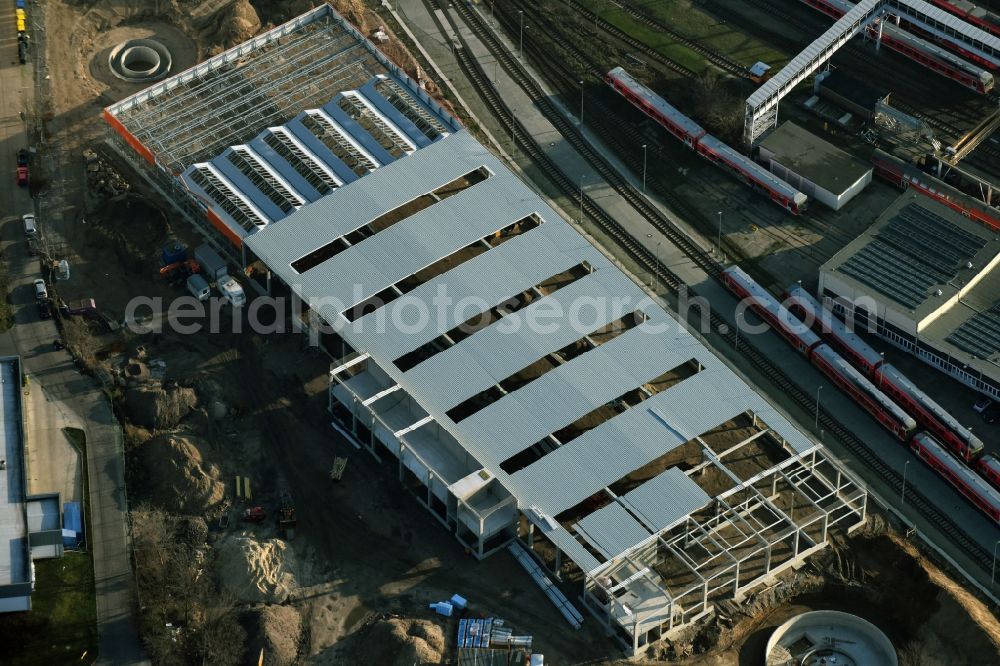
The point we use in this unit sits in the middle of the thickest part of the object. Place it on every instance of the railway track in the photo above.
(718, 59)
(645, 258)
(607, 123)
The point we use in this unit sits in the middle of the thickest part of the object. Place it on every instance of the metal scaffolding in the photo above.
(739, 542)
(267, 81)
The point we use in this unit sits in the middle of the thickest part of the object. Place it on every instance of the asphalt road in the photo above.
(54, 371)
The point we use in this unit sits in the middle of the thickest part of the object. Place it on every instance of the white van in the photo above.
(41, 293)
(232, 291)
(198, 287)
(30, 228)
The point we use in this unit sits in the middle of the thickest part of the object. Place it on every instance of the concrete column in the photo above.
(558, 565)
(531, 536)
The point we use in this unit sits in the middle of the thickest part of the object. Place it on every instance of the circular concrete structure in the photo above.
(829, 638)
(140, 60)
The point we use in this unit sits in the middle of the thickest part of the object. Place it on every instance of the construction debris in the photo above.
(103, 181)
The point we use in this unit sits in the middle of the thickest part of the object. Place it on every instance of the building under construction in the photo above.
(523, 386)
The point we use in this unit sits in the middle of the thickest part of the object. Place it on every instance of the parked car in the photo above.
(992, 413)
(22, 176)
(41, 292)
(22, 157)
(982, 404)
(44, 309)
(30, 226)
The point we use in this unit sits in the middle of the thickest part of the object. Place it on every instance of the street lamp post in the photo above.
(720, 233)
(818, 389)
(644, 169)
(881, 363)
(513, 146)
(581, 198)
(581, 105)
(520, 49)
(656, 253)
(993, 575)
(902, 492)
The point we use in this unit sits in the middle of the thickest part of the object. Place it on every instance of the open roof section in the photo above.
(230, 98)
(454, 371)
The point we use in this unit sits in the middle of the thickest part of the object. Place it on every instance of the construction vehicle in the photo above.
(254, 514)
(286, 517)
(179, 271)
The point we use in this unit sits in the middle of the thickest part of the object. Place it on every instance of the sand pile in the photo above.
(397, 641)
(151, 406)
(172, 474)
(278, 630)
(256, 571)
(232, 25)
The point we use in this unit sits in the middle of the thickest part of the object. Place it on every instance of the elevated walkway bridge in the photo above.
(761, 113)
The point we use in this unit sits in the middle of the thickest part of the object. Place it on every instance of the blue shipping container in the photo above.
(173, 252)
(73, 521)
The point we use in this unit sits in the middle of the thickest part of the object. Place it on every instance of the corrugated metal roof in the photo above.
(666, 498)
(809, 55)
(612, 530)
(593, 460)
(13, 529)
(940, 18)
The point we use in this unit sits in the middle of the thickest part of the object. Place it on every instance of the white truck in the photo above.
(232, 291)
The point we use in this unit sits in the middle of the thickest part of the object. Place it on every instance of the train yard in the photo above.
(595, 109)
(795, 201)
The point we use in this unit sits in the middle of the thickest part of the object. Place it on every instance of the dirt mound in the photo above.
(397, 641)
(172, 474)
(277, 630)
(152, 406)
(233, 25)
(256, 571)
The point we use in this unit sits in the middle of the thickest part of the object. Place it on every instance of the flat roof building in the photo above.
(525, 388)
(16, 572)
(816, 167)
(925, 278)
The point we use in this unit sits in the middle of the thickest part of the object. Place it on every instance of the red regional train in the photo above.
(889, 379)
(929, 55)
(874, 401)
(852, 382)
(904, 175)
(706, 145)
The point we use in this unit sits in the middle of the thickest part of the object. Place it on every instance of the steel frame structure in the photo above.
(741, 541)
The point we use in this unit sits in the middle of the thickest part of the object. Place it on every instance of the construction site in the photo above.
(333, 467)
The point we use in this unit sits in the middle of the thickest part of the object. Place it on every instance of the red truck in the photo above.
(22, 167)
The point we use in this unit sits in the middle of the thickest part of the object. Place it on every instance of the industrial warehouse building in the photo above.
(815, 167)
(929, 279)
(526, 390)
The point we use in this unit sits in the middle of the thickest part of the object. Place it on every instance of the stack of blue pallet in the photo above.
(20, 4)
